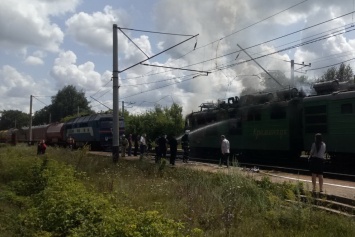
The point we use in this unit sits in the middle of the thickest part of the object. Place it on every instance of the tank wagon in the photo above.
(281, 124)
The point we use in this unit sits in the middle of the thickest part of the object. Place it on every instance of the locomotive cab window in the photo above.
(278, 113)
(83, 125)
(316, 119)
(254, 116)
(347, 108)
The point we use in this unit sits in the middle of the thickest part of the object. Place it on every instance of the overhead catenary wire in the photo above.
(313, 69)
(264, 19)
(226, 35)
(268, 41)
(221, 67)
(234, 64)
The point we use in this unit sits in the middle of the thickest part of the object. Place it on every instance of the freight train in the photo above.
(280, 124)
(93, 130)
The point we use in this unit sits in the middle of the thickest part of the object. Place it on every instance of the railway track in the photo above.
(329, 203)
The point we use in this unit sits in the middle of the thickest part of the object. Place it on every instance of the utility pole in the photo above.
(30, 127)
(115, 73)
(129, 103)
(293, 70)
(115, 87)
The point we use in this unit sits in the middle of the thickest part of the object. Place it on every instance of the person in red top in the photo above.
(41, 148)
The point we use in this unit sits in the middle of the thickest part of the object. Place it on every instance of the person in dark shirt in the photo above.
(173, 149)
(129, 149)
(163, 142)
(136, 144)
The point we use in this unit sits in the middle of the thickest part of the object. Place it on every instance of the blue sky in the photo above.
(47, 44)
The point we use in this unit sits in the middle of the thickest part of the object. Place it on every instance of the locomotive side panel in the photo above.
(266, 129)
(333, 116)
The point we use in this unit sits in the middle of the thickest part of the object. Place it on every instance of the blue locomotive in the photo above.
(94, 130)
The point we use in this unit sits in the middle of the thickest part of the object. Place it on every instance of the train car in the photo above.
(55, 134)
(38, 134)
(6, 136)
(93, 130)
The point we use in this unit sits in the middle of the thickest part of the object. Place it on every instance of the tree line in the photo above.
(70, 103)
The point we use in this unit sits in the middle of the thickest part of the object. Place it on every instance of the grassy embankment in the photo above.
(65, 193)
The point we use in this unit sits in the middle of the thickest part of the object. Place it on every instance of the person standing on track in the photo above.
(316, 158)
(225, 151)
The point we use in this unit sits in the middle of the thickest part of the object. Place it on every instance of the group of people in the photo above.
(131, 145)
(161, 146)
(162, 143)
(316, 159)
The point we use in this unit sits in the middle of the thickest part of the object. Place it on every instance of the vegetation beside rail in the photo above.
(71, 193)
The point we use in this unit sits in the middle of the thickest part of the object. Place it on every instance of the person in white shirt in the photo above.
(317, 161)
(225, 150)
(143, 145)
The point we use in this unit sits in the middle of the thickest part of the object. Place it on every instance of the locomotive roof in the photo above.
(88, 118)
(37, 126)
(333, 96)
(55, 127)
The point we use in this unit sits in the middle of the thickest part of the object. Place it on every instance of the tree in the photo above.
(156, 122)
(42, 116)
(13, 119)
(67, 102)
(329, 75)
(344, 73)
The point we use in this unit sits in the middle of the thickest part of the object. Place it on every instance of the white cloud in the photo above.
(27, 23)
(95, 30)
(31, 60)
(16, 88)
(67, 72)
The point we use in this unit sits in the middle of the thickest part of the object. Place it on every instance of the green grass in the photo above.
(72, 193)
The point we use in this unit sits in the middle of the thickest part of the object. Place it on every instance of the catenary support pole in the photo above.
(292, 73)
(115, 127)
(30, 127)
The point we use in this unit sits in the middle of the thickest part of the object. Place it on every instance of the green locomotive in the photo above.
(280, 124)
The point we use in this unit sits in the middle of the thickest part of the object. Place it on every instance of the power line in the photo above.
(253, 24)
(313, 69)
(230, 33)
(268, 41)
